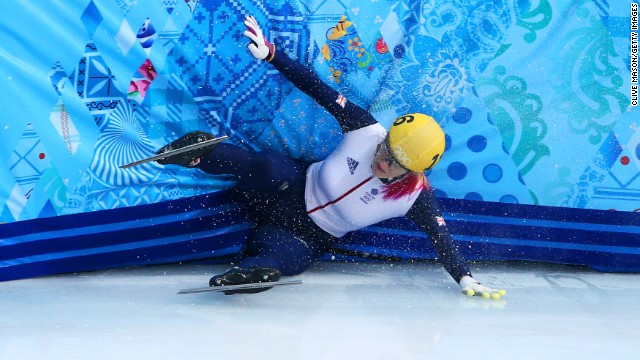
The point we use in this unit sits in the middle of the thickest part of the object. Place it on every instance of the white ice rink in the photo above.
(342, 311)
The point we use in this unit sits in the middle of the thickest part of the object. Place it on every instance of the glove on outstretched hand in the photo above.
(471, 287)
(260, 47)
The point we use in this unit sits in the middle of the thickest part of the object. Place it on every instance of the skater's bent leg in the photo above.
(264, 171)
(274, 247)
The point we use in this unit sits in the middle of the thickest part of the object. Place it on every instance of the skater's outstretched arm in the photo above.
(426, 213)
(349, 115)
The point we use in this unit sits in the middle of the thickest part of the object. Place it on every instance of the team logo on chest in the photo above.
(369, 196)
(353, 164)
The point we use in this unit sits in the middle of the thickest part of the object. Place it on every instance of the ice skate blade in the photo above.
(176, 151)
(239, 287)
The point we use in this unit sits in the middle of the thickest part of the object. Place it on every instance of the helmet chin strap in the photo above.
(388, 181)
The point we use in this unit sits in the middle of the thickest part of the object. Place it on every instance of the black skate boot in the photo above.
(237, 276)
(189, 158)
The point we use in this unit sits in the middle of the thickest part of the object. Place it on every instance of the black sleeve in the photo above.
(349, 115)
(426, 213)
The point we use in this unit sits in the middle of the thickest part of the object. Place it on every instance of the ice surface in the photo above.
(342, 311)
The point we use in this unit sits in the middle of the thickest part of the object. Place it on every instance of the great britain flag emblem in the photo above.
(341, 100)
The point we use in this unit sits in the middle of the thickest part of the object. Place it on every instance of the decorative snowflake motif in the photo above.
(444, 80)
(355, 45)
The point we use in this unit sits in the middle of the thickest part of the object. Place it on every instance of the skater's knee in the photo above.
(292, 253)
(256, 176)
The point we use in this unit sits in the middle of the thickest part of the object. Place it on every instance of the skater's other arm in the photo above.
(426, 213)
(349, 115)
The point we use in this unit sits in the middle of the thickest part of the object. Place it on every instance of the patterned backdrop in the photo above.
(534, 96)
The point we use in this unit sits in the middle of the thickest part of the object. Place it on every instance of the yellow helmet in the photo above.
(416, 142)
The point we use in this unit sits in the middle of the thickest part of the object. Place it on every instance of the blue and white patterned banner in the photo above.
(534, 96)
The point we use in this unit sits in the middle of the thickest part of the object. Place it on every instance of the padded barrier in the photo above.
(534, 96)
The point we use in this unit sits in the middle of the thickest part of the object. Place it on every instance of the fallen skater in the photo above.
(299, 209)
